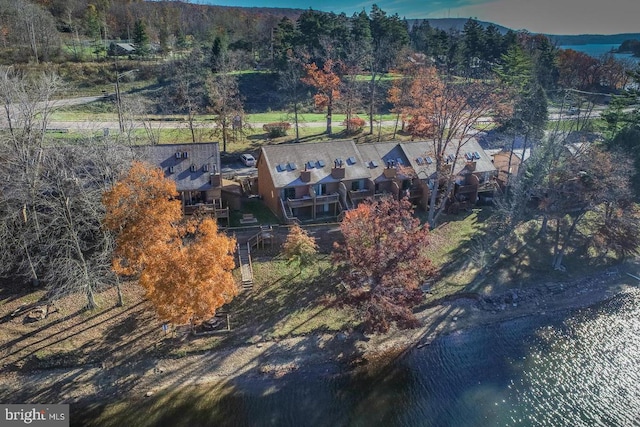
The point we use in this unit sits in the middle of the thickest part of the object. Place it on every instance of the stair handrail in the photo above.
(250, 264)
(288, 218)
(256, 237)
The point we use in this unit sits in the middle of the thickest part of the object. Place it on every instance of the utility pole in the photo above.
(118, 100)
(119, 103)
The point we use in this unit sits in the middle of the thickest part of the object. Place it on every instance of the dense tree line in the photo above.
(623, 127)
(208, 43)
(60, 29)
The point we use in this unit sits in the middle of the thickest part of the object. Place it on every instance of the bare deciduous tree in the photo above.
(291, 86)
(447, 113)
(60, 228)
(27, 102)
(186, 90)
(30, 27)
(225, 101)
(50, 196)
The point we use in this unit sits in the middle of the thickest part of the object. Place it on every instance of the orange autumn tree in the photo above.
(185, 268)
(189, 281)
(142, 211)
(327, 84)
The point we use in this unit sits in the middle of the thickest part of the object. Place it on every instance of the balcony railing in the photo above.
(301, 202)
(215, 209)
(312, 201)
(360, 194)
(222, 212)
(487, 186)
(288, 214)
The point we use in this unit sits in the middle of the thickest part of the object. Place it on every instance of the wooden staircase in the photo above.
(246, 269)
(265, 235)
(288, 213)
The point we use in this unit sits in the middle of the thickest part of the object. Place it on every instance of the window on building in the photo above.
(289, 193)
(357, 185)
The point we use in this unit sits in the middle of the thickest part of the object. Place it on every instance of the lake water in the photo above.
(578, 368)
(597, 50)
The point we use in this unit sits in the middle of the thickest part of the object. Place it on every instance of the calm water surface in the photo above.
(579, 368)
(597, 50)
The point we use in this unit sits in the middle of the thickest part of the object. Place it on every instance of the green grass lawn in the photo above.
(289, 301)
(286, 301)
(105, 110)
(568, 124)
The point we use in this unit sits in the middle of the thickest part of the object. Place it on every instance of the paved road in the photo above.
(75, 101)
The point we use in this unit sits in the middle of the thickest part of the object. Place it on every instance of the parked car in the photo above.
(248, 160)
(572, 111)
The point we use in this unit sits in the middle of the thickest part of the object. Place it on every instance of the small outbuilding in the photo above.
(121, 49)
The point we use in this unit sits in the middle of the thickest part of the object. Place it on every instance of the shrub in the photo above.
(354, 125)
(276, 129)
(300, 246)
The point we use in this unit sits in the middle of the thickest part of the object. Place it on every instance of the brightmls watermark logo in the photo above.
(34, 415)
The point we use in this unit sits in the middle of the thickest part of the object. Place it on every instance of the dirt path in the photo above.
(329, 352)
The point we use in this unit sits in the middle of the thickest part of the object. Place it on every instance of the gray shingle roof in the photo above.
(281, 159)
(286, 161)
(376, 156)
(190, 173)
(126, 46)
(422, 149)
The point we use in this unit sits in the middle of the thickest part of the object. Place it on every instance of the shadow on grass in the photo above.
(527, 261)
(272, 373)
(25, 352)
(284, 290)
(16, 341)
(15, 289)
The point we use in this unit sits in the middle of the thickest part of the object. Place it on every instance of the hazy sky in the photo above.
(540, 16)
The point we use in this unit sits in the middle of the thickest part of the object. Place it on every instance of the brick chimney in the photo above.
(471, 166)
(338, 171)
(390, 170)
